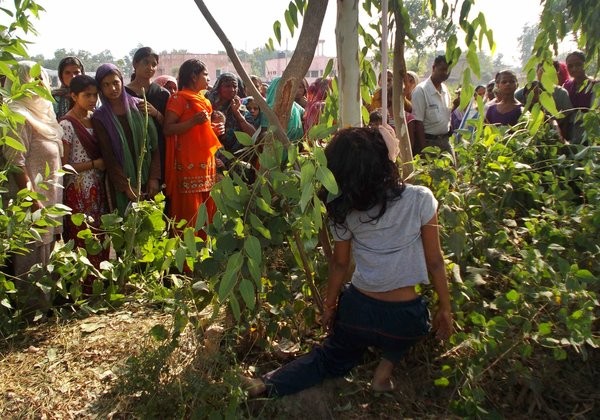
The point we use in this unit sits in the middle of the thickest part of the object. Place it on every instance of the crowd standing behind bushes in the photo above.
(102, 131)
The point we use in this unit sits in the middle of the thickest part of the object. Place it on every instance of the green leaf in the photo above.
(247, 292)
(477, 318)
(253, 248)
(513, 295)
(321, 131)
(289, 22)
(319, 155)
(277, 31)
(264, 206)
(307, 194)
(255, 270)
(325, 176)
(547, 102)
(545, 328)
(328, 68)
(258, 225)
(201, 218)
(159, 332)
(15, 144)
(442, 382)
(77, 219)
(244, 138)
(189, 239)
(307, 173)
(559, 353)
(235, 308)
(180, 255)
(230, 276)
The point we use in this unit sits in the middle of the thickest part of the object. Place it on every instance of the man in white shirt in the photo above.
(431, 107)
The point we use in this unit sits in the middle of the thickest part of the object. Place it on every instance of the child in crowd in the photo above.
(84, 190)
(253, 114)
(392, 231)
(375, 119)
(68, 68)
(507, 110)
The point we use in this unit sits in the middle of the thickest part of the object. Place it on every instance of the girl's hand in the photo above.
(200, 118)
(153, 112)
(219, 163)
(218, 128)
(236, 102)
(153, 187)
(328, 317)
(442, 324)
(99, 164)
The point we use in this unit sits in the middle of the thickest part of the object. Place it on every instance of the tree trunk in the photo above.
(346, 34)
(237, 64)
(301, 60)
(399, 67)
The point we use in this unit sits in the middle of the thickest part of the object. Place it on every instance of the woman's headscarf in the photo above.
(38, 111)
(119, 142)
(164, 79)
(317, 93)
(228, 139)
(294, 128)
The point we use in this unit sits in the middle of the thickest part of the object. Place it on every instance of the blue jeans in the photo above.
(361, 322)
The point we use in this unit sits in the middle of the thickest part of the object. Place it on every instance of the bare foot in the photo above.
(382, 381)
(254, 386)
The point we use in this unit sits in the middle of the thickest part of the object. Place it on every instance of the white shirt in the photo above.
(432, 107)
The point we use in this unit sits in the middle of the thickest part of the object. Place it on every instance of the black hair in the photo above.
(188, 69)
(577, 53)
(440, 59)
(81, 83)
(139, 55)
(69, 61)
(505, 72)
(142, 53)
(366, 177)
(375, 117)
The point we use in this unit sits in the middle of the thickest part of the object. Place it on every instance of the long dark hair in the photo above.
(366, 177)
(188, 69)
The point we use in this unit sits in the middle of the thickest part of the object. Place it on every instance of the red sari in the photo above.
(190, 168)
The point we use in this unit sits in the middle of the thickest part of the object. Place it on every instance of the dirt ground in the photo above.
(108, 366)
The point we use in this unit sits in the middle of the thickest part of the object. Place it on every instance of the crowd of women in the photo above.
(120, 142)
(125, 141)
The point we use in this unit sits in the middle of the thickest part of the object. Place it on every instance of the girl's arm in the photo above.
(442, 320)
(171, 124)
(338, 268)
(244, 125)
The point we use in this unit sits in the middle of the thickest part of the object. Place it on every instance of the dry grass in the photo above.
(108, 366)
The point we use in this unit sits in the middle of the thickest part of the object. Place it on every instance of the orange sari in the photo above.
(190, 169)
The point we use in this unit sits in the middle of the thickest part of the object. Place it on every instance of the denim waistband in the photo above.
(368, 300)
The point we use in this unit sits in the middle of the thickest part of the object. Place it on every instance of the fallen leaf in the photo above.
(91, 327)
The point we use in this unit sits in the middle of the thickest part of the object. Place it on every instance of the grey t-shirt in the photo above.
(388, 252)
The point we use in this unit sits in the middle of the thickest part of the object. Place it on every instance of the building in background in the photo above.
(215, 63)
(276, 66)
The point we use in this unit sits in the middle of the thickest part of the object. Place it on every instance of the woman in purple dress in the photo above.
(507, 110)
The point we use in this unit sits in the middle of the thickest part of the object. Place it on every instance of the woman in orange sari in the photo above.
(191, 143)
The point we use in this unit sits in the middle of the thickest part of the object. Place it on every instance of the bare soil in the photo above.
(109, 366)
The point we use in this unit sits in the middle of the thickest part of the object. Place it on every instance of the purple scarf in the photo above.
(105, 114)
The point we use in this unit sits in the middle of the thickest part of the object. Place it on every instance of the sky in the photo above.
(122, 25)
